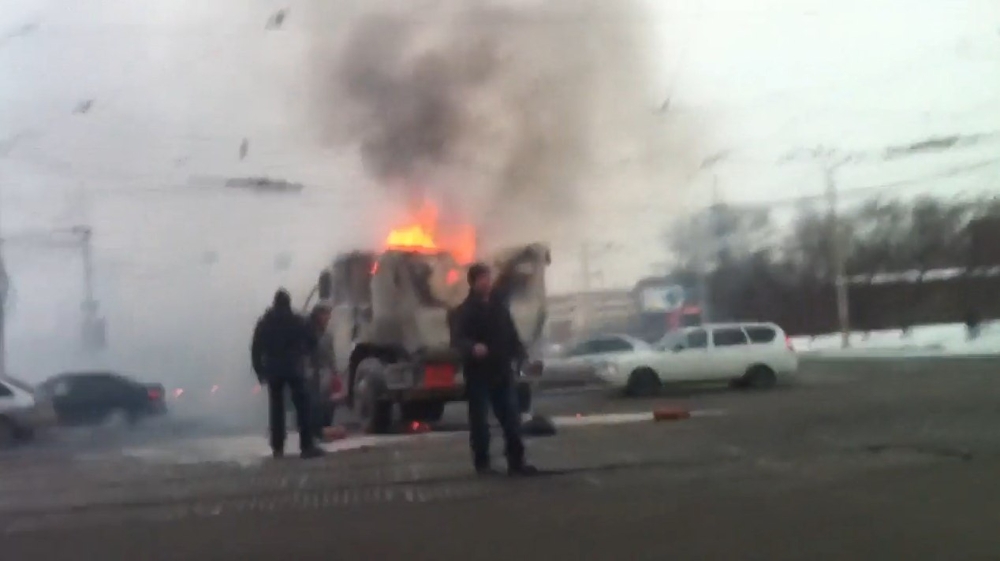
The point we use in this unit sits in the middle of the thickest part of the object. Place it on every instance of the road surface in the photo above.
(860, 460)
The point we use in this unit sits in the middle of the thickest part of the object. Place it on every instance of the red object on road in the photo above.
(334, 433)
(416, 427)
(670, 414)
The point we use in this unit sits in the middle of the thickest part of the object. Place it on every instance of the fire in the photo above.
(425, 234)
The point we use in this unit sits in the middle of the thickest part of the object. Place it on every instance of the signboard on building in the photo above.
(668, 298)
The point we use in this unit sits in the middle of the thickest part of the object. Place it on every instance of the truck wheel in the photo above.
(422, 411)
(523, 398)
(374, 413)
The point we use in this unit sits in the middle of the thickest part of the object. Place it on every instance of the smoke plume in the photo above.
(504, 112)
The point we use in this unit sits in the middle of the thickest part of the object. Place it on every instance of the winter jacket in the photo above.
(476, 321)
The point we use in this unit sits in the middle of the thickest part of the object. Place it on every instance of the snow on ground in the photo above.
(922, 340)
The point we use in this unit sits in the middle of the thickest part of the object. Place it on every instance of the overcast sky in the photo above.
(173, 88)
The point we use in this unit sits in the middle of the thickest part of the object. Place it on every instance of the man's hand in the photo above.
(479, 350)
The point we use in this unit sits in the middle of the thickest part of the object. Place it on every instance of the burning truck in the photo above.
(390, 322)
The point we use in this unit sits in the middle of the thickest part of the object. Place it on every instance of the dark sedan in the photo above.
(97, 398)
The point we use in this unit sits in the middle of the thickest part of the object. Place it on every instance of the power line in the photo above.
(868, 189)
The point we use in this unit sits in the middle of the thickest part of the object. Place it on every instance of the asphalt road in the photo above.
(860, 460)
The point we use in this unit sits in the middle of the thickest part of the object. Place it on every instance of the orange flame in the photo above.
(424, 235)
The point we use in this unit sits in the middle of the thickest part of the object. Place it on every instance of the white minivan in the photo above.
(754, 355)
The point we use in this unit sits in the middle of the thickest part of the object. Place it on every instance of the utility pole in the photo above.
(85, 234)
(586, 270)
(585, 266)
(583, 308)
(710, 249)
(93, 328)
(832, 160)
(4, 291)
(837, 256)
(709, 238)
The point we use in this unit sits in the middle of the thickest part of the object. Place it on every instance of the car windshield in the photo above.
(669, 341)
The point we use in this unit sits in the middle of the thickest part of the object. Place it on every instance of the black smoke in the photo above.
(497, 108)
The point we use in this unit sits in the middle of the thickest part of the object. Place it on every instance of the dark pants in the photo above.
(300, 400)
(503, 399)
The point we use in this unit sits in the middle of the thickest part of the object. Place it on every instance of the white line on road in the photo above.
(248, 450)
(622, 418)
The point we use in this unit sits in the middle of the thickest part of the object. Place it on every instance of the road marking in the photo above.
(622, 418)
(252, 449)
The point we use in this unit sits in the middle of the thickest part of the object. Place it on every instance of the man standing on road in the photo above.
(281, 341)
(483, 332)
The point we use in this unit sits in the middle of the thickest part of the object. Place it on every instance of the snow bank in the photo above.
(920, 341)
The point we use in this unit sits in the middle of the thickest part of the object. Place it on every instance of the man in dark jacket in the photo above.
(281, 341)
(483, 332)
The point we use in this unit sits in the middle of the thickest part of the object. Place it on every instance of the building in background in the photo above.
(654, 306)
(575, 315)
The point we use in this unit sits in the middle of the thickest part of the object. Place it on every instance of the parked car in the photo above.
(94, 398)
(756, 355)
(22, 413)
(576, 365)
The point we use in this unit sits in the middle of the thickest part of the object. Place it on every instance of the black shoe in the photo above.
(523, 470)
(310, 453)
(277, 454)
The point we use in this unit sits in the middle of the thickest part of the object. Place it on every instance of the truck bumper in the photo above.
(451, 393)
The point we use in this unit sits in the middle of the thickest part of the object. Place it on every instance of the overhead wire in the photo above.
(867, 190)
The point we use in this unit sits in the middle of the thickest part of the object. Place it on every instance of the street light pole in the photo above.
(587, 272)
(584, 305)
(4, 294)
(831, 160)
(709, 241)
(4, 291)
(93, 327)
(837, 256)
(709, 249)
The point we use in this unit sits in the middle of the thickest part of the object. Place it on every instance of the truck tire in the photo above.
(422, 411)
(371, 409)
